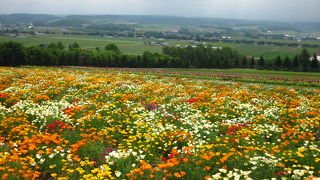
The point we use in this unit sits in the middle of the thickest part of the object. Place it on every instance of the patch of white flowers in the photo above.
(234, 174)
(40, 114)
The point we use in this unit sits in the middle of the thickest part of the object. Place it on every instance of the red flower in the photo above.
(280, 173)
(56, 122)
(164, 159)
(4, 95)
(51, 126)
(172, 155)
(192, 100)
(75, 100)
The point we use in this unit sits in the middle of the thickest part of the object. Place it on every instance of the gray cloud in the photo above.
(282, 10)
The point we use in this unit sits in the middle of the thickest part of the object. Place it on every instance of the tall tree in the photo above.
(295, 63)
(60, 45)
(286, 63)
(74, 46)
(235, 62)
(12, 54)
(277, 63)
(112, 47)
(261, 63)
(252, 62)
(38, 56)
(314, 63)
(304, 60)
(244, 62)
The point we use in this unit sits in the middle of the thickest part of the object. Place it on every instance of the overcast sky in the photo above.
(282, 10)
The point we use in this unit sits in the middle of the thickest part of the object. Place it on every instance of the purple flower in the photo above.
(152, 106)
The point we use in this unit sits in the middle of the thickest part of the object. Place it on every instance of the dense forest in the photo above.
(55, 54)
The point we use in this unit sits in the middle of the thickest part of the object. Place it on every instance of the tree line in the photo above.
(208, 57)
(56, 54)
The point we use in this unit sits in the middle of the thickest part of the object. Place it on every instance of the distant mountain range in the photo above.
(24, 18)
(76, 20)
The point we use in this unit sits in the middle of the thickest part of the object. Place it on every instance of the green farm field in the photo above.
(137, 46)
(126, 45)
(267, 51)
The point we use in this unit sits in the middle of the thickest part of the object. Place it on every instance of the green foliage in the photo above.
(12, 54)
(252, 62)
(58, 45)
(304, 61)
(92, 149)
(314, 63)
(286, 63)
(73, 46)
(112, 47)
(295, 63)
(261, 63)
(278, 63)
(203, 57)
(244, 62)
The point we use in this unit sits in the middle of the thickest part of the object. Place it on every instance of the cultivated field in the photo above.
(126, 45)
(137, 46)
(67, 123)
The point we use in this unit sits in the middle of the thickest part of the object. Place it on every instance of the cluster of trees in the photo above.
(300, 62)
(55, 54)
(203, 57)
(207, 57)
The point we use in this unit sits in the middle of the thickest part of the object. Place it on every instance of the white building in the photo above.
(318, 57)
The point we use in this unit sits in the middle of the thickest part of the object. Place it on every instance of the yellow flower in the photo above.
(95, 170)
(80, 170)
(82, 163)
(63, 178)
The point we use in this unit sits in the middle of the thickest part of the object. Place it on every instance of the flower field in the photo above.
(99, 124)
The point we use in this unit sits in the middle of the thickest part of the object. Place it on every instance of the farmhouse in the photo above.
(16, 36)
